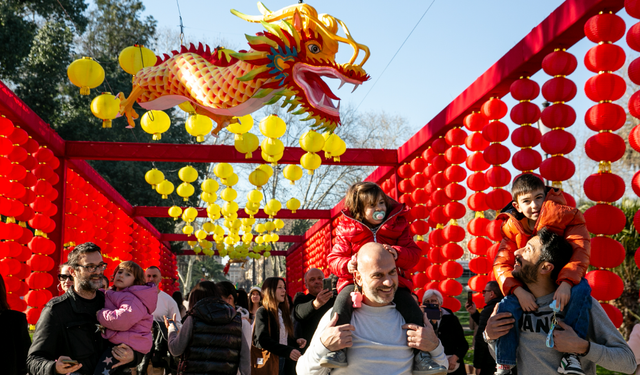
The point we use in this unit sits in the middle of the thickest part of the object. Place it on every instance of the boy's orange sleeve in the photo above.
(503, 266)
(578, 236)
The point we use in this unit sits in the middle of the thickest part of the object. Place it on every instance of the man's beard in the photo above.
(90, 284)
(528, 274)
(372, 294)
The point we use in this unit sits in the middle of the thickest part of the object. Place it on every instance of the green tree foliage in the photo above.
(207, 268)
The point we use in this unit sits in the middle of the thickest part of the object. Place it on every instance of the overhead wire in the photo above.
(394, 56)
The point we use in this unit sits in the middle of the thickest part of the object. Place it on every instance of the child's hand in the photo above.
(351, 266)
(392, 251)
(527, 300)
(563, 294)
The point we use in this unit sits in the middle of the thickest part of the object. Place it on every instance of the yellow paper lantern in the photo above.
(258, 178)
(293, 204)
(250, 212)
(269, 226)
(208, 197)
(231, 180)
(255, 196)
(292, 173)
(260, 228)
(213, 209)
(189, 214)
(340, 149)
(198, 126)
(85, 73)
(175, 212)
(248, 222)
(311, 141)
(106, 108)
(201, 234)
(279, 224)
(275, 237)
(136, 57)
(266, 238)
(268, 212)
(266, 254)
(187, 229)
(192, 243)
(223, 170)
(267, 169)
(258, 239)
(154, 177)
(272, 146)
(228, 194)
(274, 206)
(253, 205)
(209, 185)
(272, 126)
(155, 122)
(247, 144)
(244, 124)
(310, 161)
(272, 159)
(188, 174)
(247, 237)
(232, 215)
(230, 207)
(185, 190)
(208, 226)
(164, 188)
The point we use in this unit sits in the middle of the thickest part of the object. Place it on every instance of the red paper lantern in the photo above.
(419, 227)
(559, 89)
(419, 279)
(605, 116)
(495, 131)
(455, 210)
(479, 246)
(558, 142)
(440, 181)
(433, 272)
(494, 230)
(605, 86)
(451, 269)
(477, 181)
(435, 255)
(604, 27)
(452, 251)
(525, 113)
(475, 122)
(455, 192)
(405, 186)
(439, 145)
(455, 173)
(419, 180)
(633, 8)
(405, 171)
(418, 164)
(635, 184)
(559, 63)
(498, 176)
(478, 282)
(455, 155)
(605, 285)
(477, 227)
(497, 154)
(453, 233)
(524, 89)
(478, 202)
(476, 162)
(633, 71)
(494, 109)
(605, 219)
(559, 115)
(497, 199)
(613, 313)
(605, 147)
(604, 57)
(604, 187)
(476, 142)
(557, 168)
(526, 159)
(451, 287)
(420, 196)
(606, 252)
(452, 304)
(455, 137)
(440, 163)
(634, 104)
(436, 238)
(480, 265)
(526, 136)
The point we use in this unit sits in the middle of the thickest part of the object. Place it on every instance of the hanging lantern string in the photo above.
(67, 14)
(394, 56)
(181, 24)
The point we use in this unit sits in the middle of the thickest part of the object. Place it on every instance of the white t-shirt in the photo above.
(166, 306)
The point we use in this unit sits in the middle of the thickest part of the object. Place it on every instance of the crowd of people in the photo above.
(539, 316)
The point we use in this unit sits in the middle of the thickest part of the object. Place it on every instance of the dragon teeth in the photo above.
(355, 87)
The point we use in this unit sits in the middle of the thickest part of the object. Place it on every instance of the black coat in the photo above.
(307, 316)
(269, 340)
(451, 336)
(482, 359)
(67, 326)
(15, 346)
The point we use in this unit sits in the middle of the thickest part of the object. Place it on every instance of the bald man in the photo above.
(310, 308)
(377, 341)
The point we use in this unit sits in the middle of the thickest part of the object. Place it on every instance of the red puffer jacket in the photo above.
(351, 235)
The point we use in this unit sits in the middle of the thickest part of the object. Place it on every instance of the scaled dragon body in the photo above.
(287, 60)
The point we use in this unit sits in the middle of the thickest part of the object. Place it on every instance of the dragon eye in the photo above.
(313, 48)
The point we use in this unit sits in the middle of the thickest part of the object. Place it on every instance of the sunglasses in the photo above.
(62, 277)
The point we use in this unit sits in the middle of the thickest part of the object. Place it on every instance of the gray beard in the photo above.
(88, 285)
(372, 294)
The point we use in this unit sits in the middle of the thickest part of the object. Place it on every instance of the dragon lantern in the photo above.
(288, 60)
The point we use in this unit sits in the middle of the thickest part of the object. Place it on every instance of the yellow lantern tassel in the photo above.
(310, 171)
(175, 219)
(337, 159)
(186, 199)
(239, 136)
(106, 123)
(293, 212)
(327, 155)
(292, 182)
(248, 155)
(84, 90)
(156, 137)
(164, 196)
(200, 138)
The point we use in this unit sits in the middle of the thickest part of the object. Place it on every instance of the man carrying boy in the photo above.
(534, 207)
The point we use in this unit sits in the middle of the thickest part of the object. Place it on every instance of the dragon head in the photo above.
(294, 55)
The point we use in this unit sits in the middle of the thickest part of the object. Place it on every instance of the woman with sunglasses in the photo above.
(64, 277)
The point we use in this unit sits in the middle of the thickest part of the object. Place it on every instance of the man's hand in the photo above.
(301, 343)
(323, 297)
(352, 266)
(471, 307)
(563, 294)
(422, 338)
(295, 354)
(123, 353)
(498, 325)
(167, 322)
(336, 338)
(390, 249)
(453, 362)
(527, 300)
(66, 368)
(567, 341)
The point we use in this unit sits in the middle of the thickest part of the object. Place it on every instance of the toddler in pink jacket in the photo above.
(127, 315)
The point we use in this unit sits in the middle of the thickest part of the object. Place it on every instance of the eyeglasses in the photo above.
(62, 277)
(100, 267)
(486, 291)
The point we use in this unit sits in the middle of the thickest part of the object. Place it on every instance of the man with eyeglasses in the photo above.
(66, 340)
(482, 359)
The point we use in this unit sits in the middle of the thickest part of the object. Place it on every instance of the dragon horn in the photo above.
(263, 9)
(307, 10)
